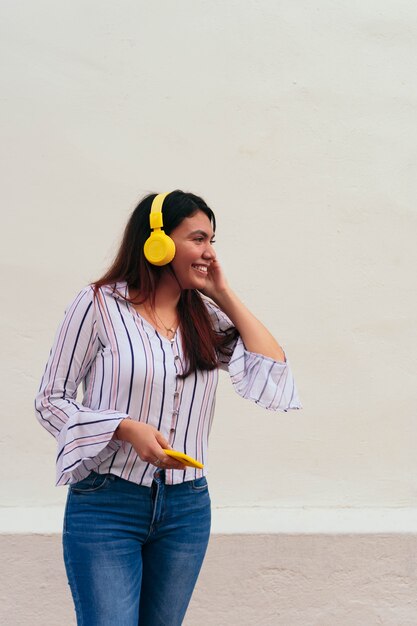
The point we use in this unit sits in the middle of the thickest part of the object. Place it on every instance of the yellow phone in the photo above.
(184, 458)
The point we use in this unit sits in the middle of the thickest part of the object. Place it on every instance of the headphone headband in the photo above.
(155, 216)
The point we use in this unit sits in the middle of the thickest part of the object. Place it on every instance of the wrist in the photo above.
(124, 429)
(223, 297)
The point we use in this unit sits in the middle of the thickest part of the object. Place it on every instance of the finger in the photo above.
(167, 462)
(158, 457)
(161, 440)
(172, 464)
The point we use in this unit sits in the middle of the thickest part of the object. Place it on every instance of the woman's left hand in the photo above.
(216, 282)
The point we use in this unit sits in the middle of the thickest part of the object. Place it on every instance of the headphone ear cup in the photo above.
(159, 248)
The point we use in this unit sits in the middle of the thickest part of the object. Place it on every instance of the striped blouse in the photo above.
(128, 369)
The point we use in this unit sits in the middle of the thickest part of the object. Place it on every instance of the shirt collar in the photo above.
(118, 290)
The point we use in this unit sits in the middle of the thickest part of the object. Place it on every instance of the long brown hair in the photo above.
(201, 343)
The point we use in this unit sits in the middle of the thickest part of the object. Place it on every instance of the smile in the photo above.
(200, 268)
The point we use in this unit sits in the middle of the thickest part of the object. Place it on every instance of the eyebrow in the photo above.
(201, 232)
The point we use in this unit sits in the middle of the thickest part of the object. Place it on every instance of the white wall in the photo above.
(296, 122)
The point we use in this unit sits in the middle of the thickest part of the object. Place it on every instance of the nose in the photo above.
(209, 253)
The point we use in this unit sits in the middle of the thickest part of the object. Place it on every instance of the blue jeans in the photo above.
(133, 553)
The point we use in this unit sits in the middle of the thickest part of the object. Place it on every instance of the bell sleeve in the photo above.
(84, 436)
(255, 377)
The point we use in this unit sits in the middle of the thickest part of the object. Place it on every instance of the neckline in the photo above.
(149, 324)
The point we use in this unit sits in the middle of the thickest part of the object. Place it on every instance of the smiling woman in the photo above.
(146, 341)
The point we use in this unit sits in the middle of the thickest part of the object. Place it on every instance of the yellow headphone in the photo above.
(159, 248)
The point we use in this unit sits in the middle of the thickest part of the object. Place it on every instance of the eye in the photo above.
(213, 241)
(200, 239)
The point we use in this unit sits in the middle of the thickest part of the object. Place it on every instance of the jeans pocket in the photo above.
(199, 484)
(93, 482)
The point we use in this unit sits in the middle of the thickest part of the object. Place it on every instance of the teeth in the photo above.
(201, 268)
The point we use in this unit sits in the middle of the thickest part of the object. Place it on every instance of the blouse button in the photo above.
(176, 358)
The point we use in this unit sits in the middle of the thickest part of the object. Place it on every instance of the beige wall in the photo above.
(296, 121)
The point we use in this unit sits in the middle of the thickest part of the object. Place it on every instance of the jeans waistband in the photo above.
(159, 476)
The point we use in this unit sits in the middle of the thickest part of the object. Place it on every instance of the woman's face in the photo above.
(194, 251)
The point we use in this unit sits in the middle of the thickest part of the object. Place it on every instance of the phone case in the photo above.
(184, 458)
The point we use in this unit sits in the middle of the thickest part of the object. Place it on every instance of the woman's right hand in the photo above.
(148, 442)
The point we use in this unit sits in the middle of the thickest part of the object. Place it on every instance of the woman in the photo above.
(147, 345)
